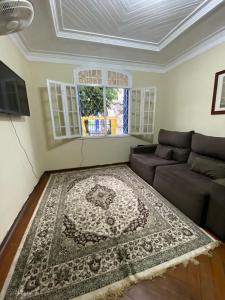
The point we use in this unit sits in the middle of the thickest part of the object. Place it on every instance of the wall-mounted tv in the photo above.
(13, 93)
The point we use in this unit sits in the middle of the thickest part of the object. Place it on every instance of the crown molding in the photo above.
(197, 14)
(203, 46)
(91, 61)
(95, 62)
(214, 40)
(194, 17)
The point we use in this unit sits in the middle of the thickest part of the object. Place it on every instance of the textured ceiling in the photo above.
(144, 20)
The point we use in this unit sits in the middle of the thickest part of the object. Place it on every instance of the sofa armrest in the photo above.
(143, 148)
(215, 219)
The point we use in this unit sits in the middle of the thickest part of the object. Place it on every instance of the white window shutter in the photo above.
(73, 111)
(149, 96)
(142, 111)
(135, 108)
(64, 108)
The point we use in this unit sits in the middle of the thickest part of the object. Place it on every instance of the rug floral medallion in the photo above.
(95, 227)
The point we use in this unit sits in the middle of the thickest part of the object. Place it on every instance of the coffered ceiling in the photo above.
(150, 33)
(139, 24)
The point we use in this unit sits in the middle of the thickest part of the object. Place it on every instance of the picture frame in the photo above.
(218, 102)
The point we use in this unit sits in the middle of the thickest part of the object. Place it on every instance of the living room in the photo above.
(168, 54)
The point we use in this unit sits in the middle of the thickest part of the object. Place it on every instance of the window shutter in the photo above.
(135, 111)
(142, 111)
(64, 110)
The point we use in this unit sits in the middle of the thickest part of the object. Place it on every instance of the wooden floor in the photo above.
(205, 281)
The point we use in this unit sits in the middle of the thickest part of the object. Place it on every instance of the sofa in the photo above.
(192, 178)
(144, 160)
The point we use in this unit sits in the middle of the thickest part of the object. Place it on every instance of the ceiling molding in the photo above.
(191, 19)
(201, 47)
(92, 61)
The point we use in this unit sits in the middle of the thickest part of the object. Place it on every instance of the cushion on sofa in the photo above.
(144, 165)
(209, 146)
(187, 190)
(180, 154)
(175, 138)
(163, 151)
(208, 167)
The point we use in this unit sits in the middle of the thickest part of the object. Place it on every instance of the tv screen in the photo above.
(13, 94)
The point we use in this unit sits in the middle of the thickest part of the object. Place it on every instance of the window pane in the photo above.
(92, 110)
(117, 111)
(117, 79)
(68, 91)
(74, 104)
(71, 118)
(62, 120)
(58, 89)
(60, 105)
(63, 130)
(90, 77)
(56, 119)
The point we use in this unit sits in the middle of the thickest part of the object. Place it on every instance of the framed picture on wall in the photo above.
(218, 103)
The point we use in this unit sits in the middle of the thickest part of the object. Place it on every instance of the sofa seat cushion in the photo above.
(187, 190)
(144, 165)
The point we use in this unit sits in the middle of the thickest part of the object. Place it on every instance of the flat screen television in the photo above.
(13, 93)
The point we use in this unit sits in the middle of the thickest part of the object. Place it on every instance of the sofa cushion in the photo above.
(180, 154)
(209, 146)
(208, 167)
(175, 138)
(163, 151)
(144, 165)
(187, 190)
(194, 155)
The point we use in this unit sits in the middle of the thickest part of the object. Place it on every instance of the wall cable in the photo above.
(23, 149)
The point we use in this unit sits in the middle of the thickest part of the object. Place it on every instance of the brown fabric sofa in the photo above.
(144, 161)
(196, 194)
(188, 190)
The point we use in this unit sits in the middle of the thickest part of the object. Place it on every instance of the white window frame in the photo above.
(104, 85)
(141, 123)
(63, 86)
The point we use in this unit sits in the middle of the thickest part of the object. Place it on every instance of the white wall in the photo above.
(187, 95)
(16, 178)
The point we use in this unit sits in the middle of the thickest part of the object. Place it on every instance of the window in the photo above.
(104, 110)
(99, 105)
(64, 109)
(142, 111)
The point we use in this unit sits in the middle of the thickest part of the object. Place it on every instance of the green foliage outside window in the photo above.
(91, 99)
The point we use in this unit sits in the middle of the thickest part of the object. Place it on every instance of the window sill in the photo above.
(105, 136)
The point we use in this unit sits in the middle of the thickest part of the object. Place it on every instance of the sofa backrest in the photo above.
(207, 146)
(180, 143)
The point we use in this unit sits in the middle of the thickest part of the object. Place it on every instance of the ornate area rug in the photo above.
(97, 231)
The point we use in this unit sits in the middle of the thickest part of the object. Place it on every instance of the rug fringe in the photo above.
(116, 290)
